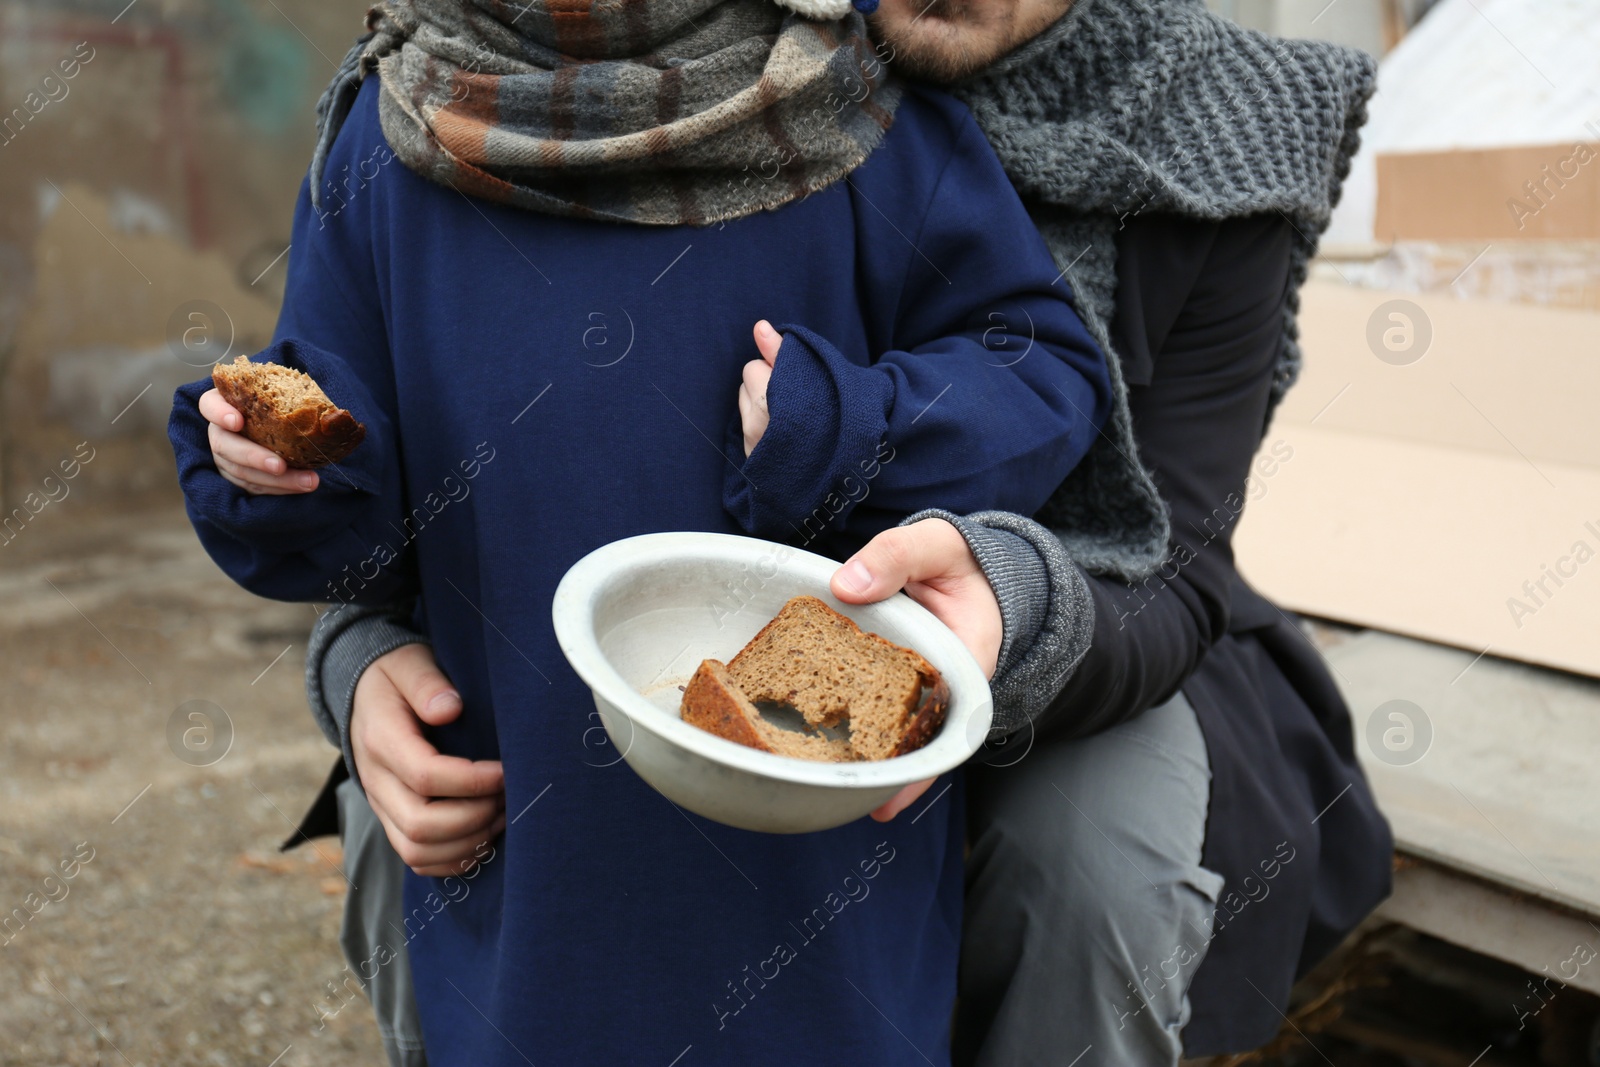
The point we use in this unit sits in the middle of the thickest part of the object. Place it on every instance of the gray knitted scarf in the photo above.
(1126, 106)
(663, 112)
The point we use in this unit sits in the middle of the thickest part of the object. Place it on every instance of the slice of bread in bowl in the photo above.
(855, 695)
(287, 411)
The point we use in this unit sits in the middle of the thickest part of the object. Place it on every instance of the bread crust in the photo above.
(312, 434)
(928, 717)
(713, 702)
(708, 704)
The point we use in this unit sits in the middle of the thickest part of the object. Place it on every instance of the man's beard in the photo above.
(945, 9)
(947, 53)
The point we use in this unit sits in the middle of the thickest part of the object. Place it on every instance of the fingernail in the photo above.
(449, 700)
(856, 576)
(308, 481)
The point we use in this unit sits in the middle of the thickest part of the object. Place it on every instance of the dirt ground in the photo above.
(148, 916)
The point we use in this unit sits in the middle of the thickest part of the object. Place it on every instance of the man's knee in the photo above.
(1090, 866)
(1095, 850)
(1085, 912)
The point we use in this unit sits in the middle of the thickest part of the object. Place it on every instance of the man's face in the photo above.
(946, 40)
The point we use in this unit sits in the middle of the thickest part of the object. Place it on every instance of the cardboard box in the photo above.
(1549, 191)
(1451, 492)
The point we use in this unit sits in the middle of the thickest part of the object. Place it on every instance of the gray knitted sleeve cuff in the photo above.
(1046, 610)
(344, 643)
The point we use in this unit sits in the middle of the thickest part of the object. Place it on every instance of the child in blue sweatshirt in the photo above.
(536, 386)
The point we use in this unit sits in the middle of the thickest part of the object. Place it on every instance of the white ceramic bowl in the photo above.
(636, 617)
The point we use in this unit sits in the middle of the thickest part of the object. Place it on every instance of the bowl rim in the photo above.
(967, 722)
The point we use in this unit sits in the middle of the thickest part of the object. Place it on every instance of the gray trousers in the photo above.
(373, 940)
(1084, 889)
(1085, 894)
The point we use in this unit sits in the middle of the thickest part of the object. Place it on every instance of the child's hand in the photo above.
(241, 461)
(753, 393)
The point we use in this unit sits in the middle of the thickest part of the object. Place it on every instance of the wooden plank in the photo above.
(1513, 927)
(1496, 777)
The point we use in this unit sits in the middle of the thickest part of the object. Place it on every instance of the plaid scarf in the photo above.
(662, 112)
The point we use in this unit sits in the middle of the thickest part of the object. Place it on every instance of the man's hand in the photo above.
(753, 391)
(436, 810)
(930, 560)
(253, 468)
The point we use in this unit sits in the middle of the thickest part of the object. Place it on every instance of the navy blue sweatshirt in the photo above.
(534, 387)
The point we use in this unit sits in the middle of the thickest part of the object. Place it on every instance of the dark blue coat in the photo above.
(535, 387)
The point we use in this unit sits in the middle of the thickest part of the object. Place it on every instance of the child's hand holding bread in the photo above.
(253, 468)
(270, 424)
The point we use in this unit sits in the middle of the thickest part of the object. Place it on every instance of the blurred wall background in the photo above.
(150, 154)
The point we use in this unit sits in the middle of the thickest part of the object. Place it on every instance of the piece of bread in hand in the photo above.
(286, 411)
(855, 695)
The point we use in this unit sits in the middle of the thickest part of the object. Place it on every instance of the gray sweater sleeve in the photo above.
(1046, 609)
(344, 643)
